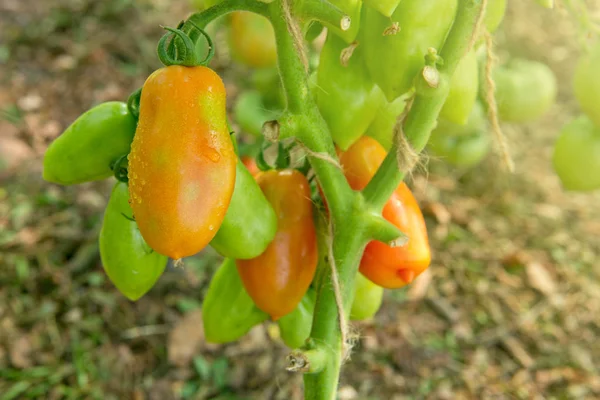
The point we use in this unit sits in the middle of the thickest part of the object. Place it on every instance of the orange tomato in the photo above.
(250, 165)
(278, 278)
(389, 267)
(252, 39)
(182, 161)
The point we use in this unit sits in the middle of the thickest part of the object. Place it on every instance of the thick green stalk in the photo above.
(427, 104)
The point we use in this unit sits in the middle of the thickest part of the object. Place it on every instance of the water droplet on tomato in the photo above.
(212, 154)
(211, 227)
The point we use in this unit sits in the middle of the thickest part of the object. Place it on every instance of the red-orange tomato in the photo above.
(250, 165)
(389, 267)
(182, 161)
(278, 278)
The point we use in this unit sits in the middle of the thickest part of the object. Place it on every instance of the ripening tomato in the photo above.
(587, 84)
(252, 39)
(182, 161)
(278, 278)
(576, 156)
(525, 90)
(389, 267)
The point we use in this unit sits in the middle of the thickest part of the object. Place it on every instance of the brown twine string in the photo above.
(406, 157)
(296, 32)
(490, 99)
(478, 24)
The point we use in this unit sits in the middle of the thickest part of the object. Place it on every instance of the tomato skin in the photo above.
(367, 299)
(385, 7)
(381, 264)
(252, 39)
(131, 265)
(576, 157)
(587, 84)
(182, 161)
(295, 327)
(464, 88)
(278, 278)
(228, 313)
(347, 98)
(394, 60)
(525, 90)
(85, 150)
(250, 222)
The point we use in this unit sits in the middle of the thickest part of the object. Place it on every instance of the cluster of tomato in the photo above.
(182, 185)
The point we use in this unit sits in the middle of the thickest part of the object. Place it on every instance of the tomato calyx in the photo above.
(177, 48)
(120, 168)
(133, 103)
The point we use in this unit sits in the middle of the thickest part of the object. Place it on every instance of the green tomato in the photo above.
(587, 84)
(395, 60)
(250, 223)
(494, 14)
(346, 96)
(251, 113)
(463, 151)
(576, 156)
(131, 265)
(382, 127)
(477, 121)
(87, 148)
(464, 87)
(295, 327)
(228, 312)
(367, 298)
(525, 90)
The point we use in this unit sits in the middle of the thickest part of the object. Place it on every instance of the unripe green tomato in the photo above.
(295, 327)
(86, 149)
(367, 298)
(525, 90)
(463, 90)
(462, 151)
(394, 60)
(250, 223)
(228, 312)
(576, 156)
(131, 265)
(494, 14)
(477, 121)
(587, 84)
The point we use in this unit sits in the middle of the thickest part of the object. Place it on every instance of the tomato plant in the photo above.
(390, 78)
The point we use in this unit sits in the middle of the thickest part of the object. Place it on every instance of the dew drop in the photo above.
(211, 227)
(212, 154)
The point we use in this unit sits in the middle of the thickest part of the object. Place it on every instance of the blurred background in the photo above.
(510, 307)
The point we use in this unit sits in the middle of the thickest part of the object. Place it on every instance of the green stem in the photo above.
(427, 104)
